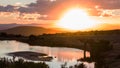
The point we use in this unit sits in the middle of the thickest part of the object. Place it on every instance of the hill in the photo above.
(29, 30)
(8, 26)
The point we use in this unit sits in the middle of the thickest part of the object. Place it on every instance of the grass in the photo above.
(20, 63)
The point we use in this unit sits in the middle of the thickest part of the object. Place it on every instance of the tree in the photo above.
(3, 34)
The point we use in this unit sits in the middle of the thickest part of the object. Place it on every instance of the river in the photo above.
(60, 54)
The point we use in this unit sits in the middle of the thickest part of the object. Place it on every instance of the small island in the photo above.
(34, 56)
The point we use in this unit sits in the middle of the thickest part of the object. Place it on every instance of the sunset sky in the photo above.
(106, 13)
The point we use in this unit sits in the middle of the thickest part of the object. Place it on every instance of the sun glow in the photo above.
(75, 19)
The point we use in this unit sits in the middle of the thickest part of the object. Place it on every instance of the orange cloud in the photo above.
(54, 8)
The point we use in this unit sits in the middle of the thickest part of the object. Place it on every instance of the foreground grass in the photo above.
(20, 63)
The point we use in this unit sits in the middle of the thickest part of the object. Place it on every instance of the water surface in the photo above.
(60, 54)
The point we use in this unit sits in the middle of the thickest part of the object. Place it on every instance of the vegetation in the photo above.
(20, 63)
(97, 49)
(96, 42)
(80, 65)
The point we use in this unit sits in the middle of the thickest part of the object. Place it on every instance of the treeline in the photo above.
(102, 32)
(74, 40)
(20, 63)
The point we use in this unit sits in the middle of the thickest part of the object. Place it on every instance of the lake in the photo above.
(60, 54)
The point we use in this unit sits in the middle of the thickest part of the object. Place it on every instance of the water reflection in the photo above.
(12, 46)
(62, 54)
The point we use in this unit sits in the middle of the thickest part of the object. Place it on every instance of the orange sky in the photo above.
(7, 18)
(107, 14)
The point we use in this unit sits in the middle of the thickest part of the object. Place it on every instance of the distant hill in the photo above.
(28, 30)
(8, 26)
(12, 25)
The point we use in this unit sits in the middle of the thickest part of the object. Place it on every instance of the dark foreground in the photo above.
(20, 63)
(11, 63)
(104, 46)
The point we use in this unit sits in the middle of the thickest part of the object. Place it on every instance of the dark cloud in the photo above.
(8, 8)
(109, 4)
(56, 8)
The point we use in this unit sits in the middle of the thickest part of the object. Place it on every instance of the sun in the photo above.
(75, 19)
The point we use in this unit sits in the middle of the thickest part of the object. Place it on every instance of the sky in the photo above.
(49, 11)
(13, 2)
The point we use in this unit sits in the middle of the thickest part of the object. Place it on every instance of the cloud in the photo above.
(31, 16)
(55, 8)
(18, 4)
(22, 16)
(108, 4)
(8, 8)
